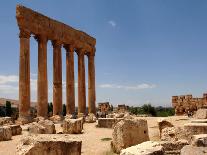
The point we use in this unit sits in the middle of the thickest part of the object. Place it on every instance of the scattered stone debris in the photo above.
(201, 114)
(145, 148)
(49, 145)
(199, 140)
(6, 121)
(56, 119)
(162, 123)
(91, 118)
(193, 150)
(73, 126)
(128, 133)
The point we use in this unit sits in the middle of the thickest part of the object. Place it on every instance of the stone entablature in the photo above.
(74, 41)
(186, 103)
(38, 24)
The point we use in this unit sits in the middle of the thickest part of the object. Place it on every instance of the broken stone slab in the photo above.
(5, 133)
(91, 118)
(73, 126)
(16, 129)
(49, 145)
(173, 147)
(6, 120)
(49, 126)
(145, 148)
(129, 132)
(42, 127)
(108, 122)
(201, 114)
(195, 128)
(57, 119)
(162, 123)
(193, 150)
(199, 140)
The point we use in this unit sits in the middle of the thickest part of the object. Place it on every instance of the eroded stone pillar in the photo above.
(42, 83)
(57, 78)
(70, 82)
(91, 84)
(24, 75)
(81, 83)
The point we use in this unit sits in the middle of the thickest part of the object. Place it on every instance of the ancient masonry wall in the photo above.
(185, 103)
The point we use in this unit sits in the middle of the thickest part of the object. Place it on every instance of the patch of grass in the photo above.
(105, 139)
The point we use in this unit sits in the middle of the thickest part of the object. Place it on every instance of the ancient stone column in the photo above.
(70, 83)
(91, 84)
(42, 83)
(57, 78)
(81, 83)
(24, 75)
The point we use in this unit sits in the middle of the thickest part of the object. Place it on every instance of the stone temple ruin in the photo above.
(44, 29)
(185, 103)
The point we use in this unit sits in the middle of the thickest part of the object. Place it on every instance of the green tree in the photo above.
(50, 107)
(8, 108)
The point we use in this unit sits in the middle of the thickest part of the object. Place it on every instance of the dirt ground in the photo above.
(96, 141)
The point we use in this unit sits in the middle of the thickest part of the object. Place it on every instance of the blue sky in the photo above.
(147, 50)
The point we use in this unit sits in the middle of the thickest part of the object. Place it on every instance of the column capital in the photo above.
(69, 48)
(56, 43)
(80, 52)
(24, 34)
(41, 38)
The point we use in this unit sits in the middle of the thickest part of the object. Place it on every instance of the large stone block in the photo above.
(91, 118)
(49, 145)
(108, 122)
(56, 119)
(199, 140)
(5, 133)
(193, 150)
(162, 123)
(201, 114)
(128, 133)
(16, 129)
(73, 126)
(195, 128)
(42, 127)
(145, 148)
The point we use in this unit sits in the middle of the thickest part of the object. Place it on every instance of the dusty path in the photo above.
(92, 143)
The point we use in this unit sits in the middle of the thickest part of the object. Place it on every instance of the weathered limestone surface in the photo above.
(195, 128)
(108, 122)
(42, 127)
(91, 118)
(16, 129)
(193, 150)
(5, 133)
(162, 123)
(128, 133)
(201, 114)
(49, 145)
(199, 140)
(186, 103)
(6, 120)
(145, 148)
(56, 118)
(73, 126)
(173, 147)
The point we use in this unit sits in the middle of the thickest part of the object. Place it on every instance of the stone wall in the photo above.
(185, 103)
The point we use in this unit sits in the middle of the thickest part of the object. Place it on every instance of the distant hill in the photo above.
(14, 102)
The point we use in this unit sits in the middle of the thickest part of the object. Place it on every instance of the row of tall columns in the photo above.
(42, 81)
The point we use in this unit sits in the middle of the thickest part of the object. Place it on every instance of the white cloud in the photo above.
(136, 87)
(4, 79)
(112, 23)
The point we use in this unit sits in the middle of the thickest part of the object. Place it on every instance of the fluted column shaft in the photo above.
(24, 75)
(57, 78)
(91, 84)
(70, 82)
(42, 83)
(81, 82)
